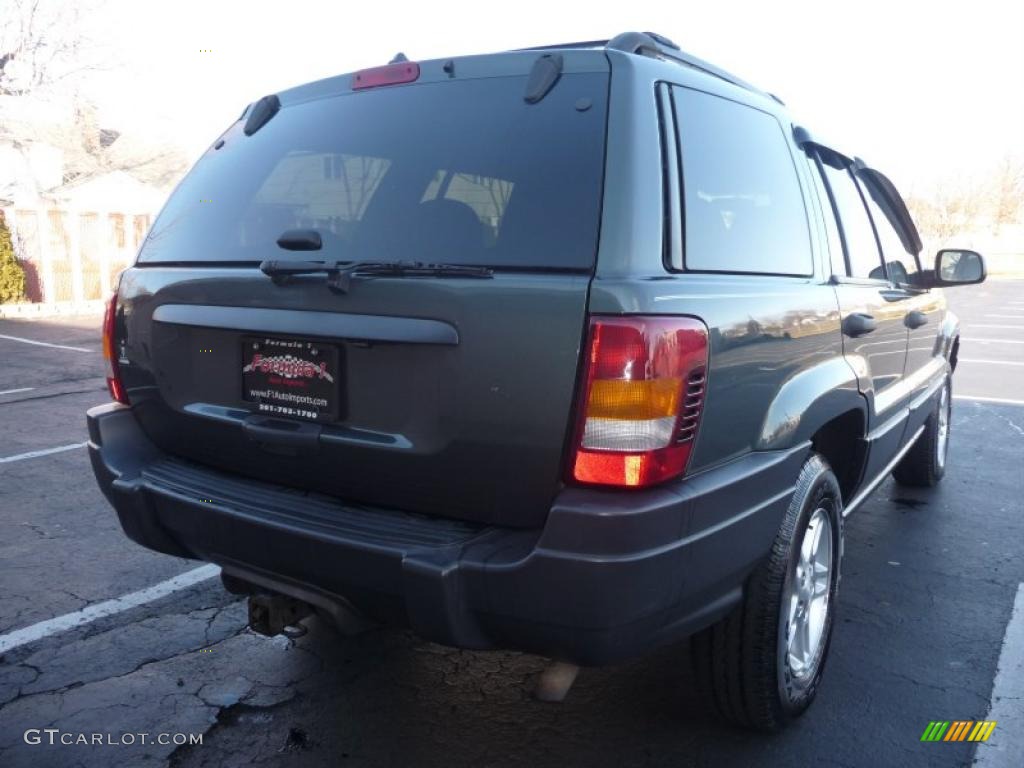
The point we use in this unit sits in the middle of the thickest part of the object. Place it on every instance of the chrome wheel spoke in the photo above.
(796, 651)
(805, 639)
(809, 545)
(816, 545)
(942, 438)
(821, 574)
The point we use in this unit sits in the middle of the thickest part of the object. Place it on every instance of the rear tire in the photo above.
(925, 463)
(760, 667)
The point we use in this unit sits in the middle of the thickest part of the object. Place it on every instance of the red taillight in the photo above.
(114, 384)
(641, 400)
(389, 74)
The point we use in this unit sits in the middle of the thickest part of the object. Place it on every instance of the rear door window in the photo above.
(861, 247)
(900, 265)
(462, 172)
(743, 207)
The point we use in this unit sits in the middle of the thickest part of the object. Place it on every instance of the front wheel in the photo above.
(761, 666)
(925, 463)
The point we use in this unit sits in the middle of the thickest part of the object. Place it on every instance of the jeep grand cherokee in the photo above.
(578, 350)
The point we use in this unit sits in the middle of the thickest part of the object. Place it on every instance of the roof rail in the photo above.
(581, 44)
(660, 47)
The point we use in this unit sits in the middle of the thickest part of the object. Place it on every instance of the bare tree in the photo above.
(961, 205)
(952, 207)
(42, 43)
(1007, 192)
(45, 52)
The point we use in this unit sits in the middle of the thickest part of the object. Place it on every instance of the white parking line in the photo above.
(990, 362)
(991, 325)
(90, 613)
(12, 391)
(44, 343)
(43, 452)
(982, 399)
(969, 341)
(1010, 317)
(1006, 745)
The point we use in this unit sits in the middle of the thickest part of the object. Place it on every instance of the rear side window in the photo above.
(743, 208)
(837, 258)
(461, 171)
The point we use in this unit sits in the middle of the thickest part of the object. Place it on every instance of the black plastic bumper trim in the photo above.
(611, 575)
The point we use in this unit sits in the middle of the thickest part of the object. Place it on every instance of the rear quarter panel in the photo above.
(776, 368)
(775, 365)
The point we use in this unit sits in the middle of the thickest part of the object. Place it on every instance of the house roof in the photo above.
(114, 191)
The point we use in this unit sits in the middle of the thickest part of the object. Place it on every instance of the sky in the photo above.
(921, 90)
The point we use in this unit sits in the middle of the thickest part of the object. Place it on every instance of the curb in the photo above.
(31, 310)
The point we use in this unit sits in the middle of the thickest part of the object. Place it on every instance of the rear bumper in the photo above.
(609, 576)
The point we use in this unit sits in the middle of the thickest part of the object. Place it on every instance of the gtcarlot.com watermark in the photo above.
(54, 736)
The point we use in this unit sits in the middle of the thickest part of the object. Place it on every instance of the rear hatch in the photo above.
(435, 393)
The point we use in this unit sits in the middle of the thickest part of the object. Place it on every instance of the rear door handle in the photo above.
(915, 319)
(858, 324)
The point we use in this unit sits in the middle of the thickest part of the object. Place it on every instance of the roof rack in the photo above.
(659, 47)
(579, 44)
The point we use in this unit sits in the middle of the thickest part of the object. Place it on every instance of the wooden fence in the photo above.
(74, 255)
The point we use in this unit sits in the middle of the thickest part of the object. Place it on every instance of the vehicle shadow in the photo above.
(387, 697)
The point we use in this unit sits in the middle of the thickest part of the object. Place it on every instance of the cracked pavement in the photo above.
(929, 579)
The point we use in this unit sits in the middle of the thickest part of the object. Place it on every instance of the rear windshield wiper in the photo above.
(339, 274)
(340, 280)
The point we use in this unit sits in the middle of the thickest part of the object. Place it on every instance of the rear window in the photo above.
(462, 172)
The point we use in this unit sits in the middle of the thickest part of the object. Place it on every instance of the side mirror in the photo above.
(958, 267)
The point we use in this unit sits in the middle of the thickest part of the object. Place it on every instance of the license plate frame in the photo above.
(291, 378)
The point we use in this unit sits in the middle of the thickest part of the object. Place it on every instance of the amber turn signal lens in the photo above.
(641, 399)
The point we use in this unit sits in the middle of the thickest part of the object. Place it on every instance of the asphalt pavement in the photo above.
(930, 579)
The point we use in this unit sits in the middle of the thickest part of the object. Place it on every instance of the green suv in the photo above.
(578, 350)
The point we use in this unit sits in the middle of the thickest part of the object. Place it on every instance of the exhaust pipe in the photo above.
(555, 681)
(272, 612)
(272, 615)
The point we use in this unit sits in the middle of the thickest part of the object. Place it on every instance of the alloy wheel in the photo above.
(807, 600)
